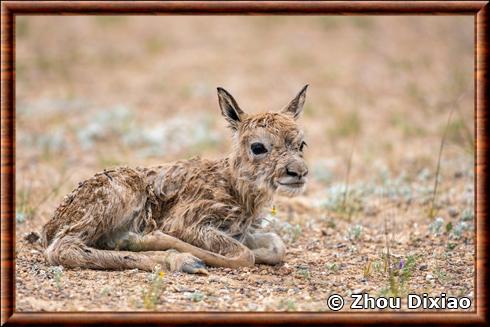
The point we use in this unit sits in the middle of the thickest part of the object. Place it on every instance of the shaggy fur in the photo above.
(187, 213)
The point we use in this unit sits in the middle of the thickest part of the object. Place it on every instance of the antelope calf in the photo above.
(190, 213)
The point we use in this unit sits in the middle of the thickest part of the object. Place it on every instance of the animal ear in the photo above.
(229, 108)
(295, 107)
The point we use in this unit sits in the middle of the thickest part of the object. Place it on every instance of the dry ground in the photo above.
(94, 92)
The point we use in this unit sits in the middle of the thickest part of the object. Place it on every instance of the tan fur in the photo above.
(180, 213)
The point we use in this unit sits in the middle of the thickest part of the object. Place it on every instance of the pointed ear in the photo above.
(295, 107)
(229, 108)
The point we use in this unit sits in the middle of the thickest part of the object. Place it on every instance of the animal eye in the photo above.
(301, 147)
(258, 148)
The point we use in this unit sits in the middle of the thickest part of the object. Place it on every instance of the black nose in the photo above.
(296, 173)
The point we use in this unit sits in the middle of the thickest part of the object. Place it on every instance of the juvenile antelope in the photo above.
(190, 213)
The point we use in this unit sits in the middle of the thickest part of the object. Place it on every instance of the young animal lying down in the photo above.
(186, 214)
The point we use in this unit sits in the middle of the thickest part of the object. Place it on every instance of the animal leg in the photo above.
(268, 247)
(71, 252)
(218, 249)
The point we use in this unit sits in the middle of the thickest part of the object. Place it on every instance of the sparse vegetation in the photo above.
(287, 305)
(152, 294)
(196, 296)
(354, 232)
(57, 272)
(399, 278)
(433, 211)
(332, 267)
(304, 272)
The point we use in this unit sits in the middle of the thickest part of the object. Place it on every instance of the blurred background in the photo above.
(99, 91)
(94, 92)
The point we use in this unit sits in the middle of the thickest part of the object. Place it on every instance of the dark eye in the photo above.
(301, 147)
(258, 148)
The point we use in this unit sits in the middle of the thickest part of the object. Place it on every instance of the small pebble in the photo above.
(453, 212)
(357, 291)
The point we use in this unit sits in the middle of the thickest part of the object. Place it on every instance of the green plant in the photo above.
(345, 201)
(376, 266)
(196, 296)
(407, 269)
(348, 125)
(296, 233)
(347, 175)
(355, 232)
(332, 267)
(408, 129)
(441, 275)
(467, 214)
(110, 21)
(451, 246)
(436, 226)
(367, 270)
(449, 227)
(287, 304)
(399, 277)
(155, 289)
(458, 134)
(24, 209)
(105, 291)
(459, 229)
(304, 272)
(433, 210)
(57, 275)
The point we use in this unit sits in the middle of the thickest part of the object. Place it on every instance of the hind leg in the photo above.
(216, 249)
(71, 252)
(103, 204)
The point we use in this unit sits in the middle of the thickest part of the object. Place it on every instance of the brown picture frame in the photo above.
(11, 9)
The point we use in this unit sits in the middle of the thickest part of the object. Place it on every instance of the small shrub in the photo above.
(399, 277)
(304, 272)
(436, 225)
(449, 227)
(354, 232)
(196, 296)
(332, 267)
(287, 304)
(367, 270)
(57, 272)
(459, 229)
(152, 294)
(468, 214)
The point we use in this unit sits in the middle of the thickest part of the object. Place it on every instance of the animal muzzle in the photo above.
(297, 169)
(294, 174)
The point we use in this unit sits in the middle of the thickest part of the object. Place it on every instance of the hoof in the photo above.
(196, 267)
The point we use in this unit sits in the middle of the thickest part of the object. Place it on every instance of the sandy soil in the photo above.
(106, 91)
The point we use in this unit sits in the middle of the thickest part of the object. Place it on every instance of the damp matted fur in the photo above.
(133, 217)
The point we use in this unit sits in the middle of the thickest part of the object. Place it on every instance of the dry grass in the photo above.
(104, 91)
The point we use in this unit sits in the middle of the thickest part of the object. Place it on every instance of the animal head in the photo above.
(268, 147)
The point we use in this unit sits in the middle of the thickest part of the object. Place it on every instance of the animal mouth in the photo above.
(295, 184)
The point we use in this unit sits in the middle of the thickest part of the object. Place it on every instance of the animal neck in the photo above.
(251, 193)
